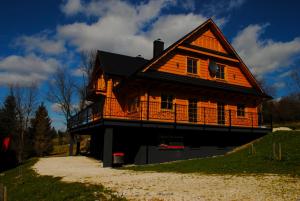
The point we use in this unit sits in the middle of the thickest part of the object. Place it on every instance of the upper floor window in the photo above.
(192, 65)
(134, 104)
(220, 73)
(240, 110)
(166, 101)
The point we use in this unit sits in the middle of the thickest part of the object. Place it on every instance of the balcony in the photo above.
(146, 113)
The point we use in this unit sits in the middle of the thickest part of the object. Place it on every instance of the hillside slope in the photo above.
(244, 160)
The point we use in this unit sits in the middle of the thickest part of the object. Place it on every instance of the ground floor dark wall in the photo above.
(148, 145)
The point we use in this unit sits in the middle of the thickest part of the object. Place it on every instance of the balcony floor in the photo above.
(118, 122)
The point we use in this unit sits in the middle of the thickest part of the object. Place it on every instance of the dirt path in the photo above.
(171, 186)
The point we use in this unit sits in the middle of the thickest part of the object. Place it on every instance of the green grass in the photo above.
(24, 184)
(62, 150)
(242, 161)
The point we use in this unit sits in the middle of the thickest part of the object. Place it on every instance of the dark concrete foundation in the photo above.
(144, 146)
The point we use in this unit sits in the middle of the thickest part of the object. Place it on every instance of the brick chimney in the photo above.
(158, 47)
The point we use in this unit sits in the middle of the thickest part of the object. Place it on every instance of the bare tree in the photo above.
(26, 103)
(88, 59)
(268, 89)
(61, 92)
(295, 75)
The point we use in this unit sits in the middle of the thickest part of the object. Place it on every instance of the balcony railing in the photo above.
(146, 111)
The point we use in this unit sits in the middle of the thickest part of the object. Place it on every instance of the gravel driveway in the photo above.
(171, 186)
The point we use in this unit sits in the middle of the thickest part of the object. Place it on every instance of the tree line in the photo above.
(25, 123)
(284, 109)
(24, 127)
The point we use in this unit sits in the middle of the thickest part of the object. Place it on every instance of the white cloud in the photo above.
(235, 4)
(56, 107)
(78, 72)
(188, 4)
(25, 70)
(40, 43)
(279, 85)
(265, 55)
(218, 7)
(71, 7)
(121, 26)
(286, 74)
(170, 28)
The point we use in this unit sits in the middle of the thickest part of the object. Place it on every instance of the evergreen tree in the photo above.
(8, 117)
(41, 132)
(8, 128)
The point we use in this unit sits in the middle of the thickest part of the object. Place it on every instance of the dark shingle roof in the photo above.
(120, 65)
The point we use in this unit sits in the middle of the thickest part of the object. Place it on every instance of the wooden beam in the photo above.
(208, 54)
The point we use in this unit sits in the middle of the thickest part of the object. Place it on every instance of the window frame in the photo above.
(134, 104)
(166, 103)
(240, 110)
(193, 110)
(193, 68)
(219, 74)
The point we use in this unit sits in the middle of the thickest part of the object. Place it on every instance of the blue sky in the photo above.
(37, 37)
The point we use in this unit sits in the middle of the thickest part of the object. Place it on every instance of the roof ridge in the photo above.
(118, 54)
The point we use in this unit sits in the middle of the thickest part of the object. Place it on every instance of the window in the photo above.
(193, 109)
(221, 113)
(166, 101)
(134, 104)
(220, 73)
(192, 65)
(240, 110)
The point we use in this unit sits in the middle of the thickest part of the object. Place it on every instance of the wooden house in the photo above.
(195, 98)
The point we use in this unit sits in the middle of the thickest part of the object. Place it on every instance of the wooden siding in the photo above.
(209, 40)
(177, 64)
(118, 108)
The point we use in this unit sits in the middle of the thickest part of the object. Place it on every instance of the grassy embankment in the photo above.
(245, 160)
(24, 184)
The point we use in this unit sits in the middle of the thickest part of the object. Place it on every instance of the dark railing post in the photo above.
(204, 116)
(148, 107)
(230, 123)
(141, 110)
(175, 113)
(109, 107)
(252, 118)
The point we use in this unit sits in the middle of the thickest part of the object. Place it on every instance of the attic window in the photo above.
(192, 65)
(220, 73)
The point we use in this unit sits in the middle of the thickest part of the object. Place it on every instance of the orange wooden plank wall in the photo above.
(209, 41)
(177, 64)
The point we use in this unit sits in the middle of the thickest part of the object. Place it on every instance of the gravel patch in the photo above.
(171, 186)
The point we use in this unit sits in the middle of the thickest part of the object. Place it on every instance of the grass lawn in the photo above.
(242, 161)
(24, 184)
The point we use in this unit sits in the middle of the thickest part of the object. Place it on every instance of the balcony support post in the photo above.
(271, 119)
(71, 145)
(108, 147)
(77, 145)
